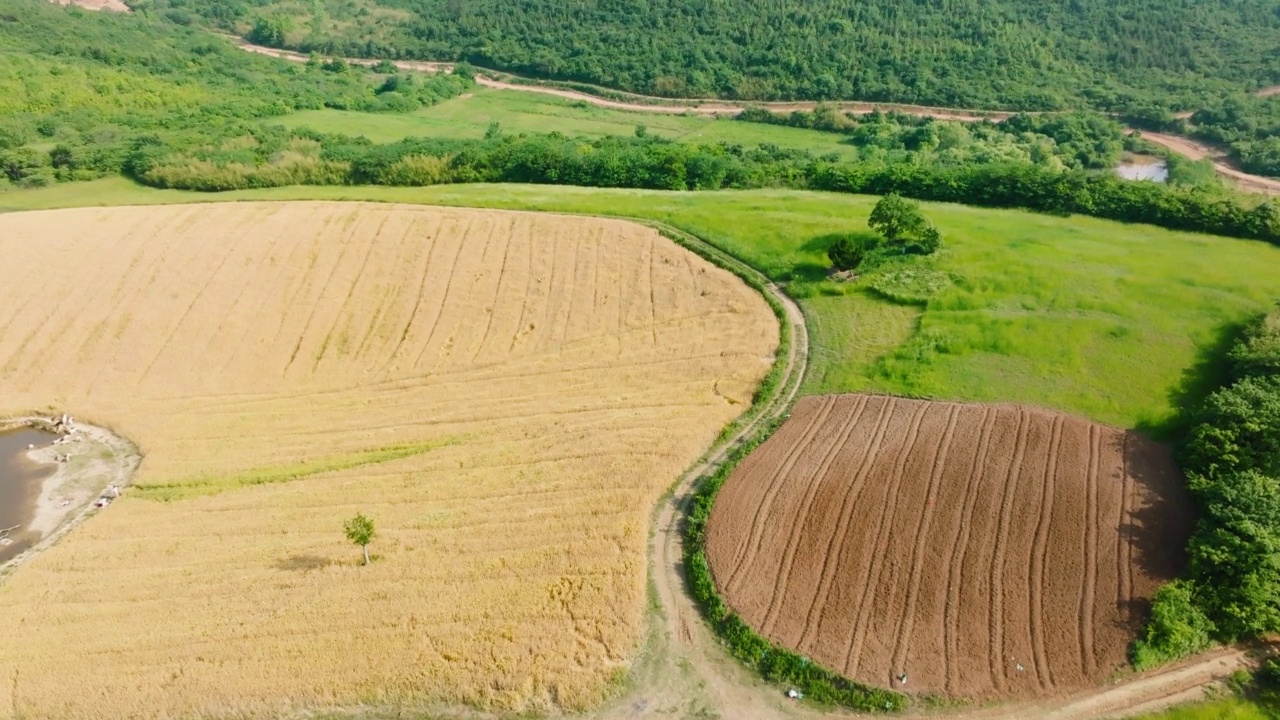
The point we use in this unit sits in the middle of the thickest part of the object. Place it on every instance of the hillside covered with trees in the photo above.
(1020, 54)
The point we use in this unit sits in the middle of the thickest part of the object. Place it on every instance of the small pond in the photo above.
(1156, 171)
(20, 483)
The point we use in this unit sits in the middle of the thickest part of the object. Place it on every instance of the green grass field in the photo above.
(470, 115)
(1098, 318)
(1233, 708)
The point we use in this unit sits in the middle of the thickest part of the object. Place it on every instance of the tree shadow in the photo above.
(1209, 371)
(303, 563)
(809, 271)
(1159, 519)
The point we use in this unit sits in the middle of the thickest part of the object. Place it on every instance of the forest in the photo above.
(1102, 54)
(80, 90)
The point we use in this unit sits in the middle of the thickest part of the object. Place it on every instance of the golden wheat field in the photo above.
(506, 394)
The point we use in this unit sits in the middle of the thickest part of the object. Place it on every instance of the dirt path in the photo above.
(717, 108)
(114, 5)
(93, 459)
(649, 104)
(1197, 150)
(1138, 694)
(685, 671)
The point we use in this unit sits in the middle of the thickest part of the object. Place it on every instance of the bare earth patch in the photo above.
(984, 552)
(113, 5)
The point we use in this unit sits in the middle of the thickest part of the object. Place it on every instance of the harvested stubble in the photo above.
(505, 393)
(984, 551)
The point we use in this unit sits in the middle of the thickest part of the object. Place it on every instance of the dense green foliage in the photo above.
(1249, 126)
(1055, 140)
(959, 53)
(267, 157)
(1176, 628)
(901, 230)
(1232, 460)
(80, 91)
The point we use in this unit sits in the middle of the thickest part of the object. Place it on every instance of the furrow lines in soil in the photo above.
(816, 479)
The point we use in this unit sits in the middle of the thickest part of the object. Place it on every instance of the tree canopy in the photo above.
(1020, 54)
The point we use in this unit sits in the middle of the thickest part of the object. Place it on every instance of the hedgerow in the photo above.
(654, 163)
(1231, 457)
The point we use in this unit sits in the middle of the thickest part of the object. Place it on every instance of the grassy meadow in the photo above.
(1233, 708)
(470, 115)
(1098, 318)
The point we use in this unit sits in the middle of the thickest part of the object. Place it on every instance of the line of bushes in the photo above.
(1231, 456)
(1024, 186)
(260, 159)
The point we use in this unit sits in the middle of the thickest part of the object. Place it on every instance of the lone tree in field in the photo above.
(360, 531)
(903, 226)
(897, 218)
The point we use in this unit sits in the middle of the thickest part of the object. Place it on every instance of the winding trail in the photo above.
(707, 107)
(684, 669)
(1222, 162)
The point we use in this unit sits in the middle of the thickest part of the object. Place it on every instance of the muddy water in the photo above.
(20, 482)
(1153, 171)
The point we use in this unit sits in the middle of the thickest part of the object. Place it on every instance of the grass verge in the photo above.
(214, 484)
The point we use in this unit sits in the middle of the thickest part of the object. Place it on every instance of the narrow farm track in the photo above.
(688, 669)
(713, 108)
(1222, 163)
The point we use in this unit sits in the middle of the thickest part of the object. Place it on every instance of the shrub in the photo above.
(1259, 352)
(1177, 627)
(1238, 429)
(928, 243)
(848, 251)
(417, 170)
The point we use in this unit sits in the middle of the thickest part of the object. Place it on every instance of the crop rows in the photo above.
(982, 551)
(506, 394)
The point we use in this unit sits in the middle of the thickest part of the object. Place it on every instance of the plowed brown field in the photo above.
(985, 551)
(506, 394)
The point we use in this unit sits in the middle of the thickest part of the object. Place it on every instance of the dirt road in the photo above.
(685, 671)
(1197, 150)
(649, 104)
(113, 5)
(722, 108)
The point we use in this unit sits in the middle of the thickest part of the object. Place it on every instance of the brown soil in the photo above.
(986, 551)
